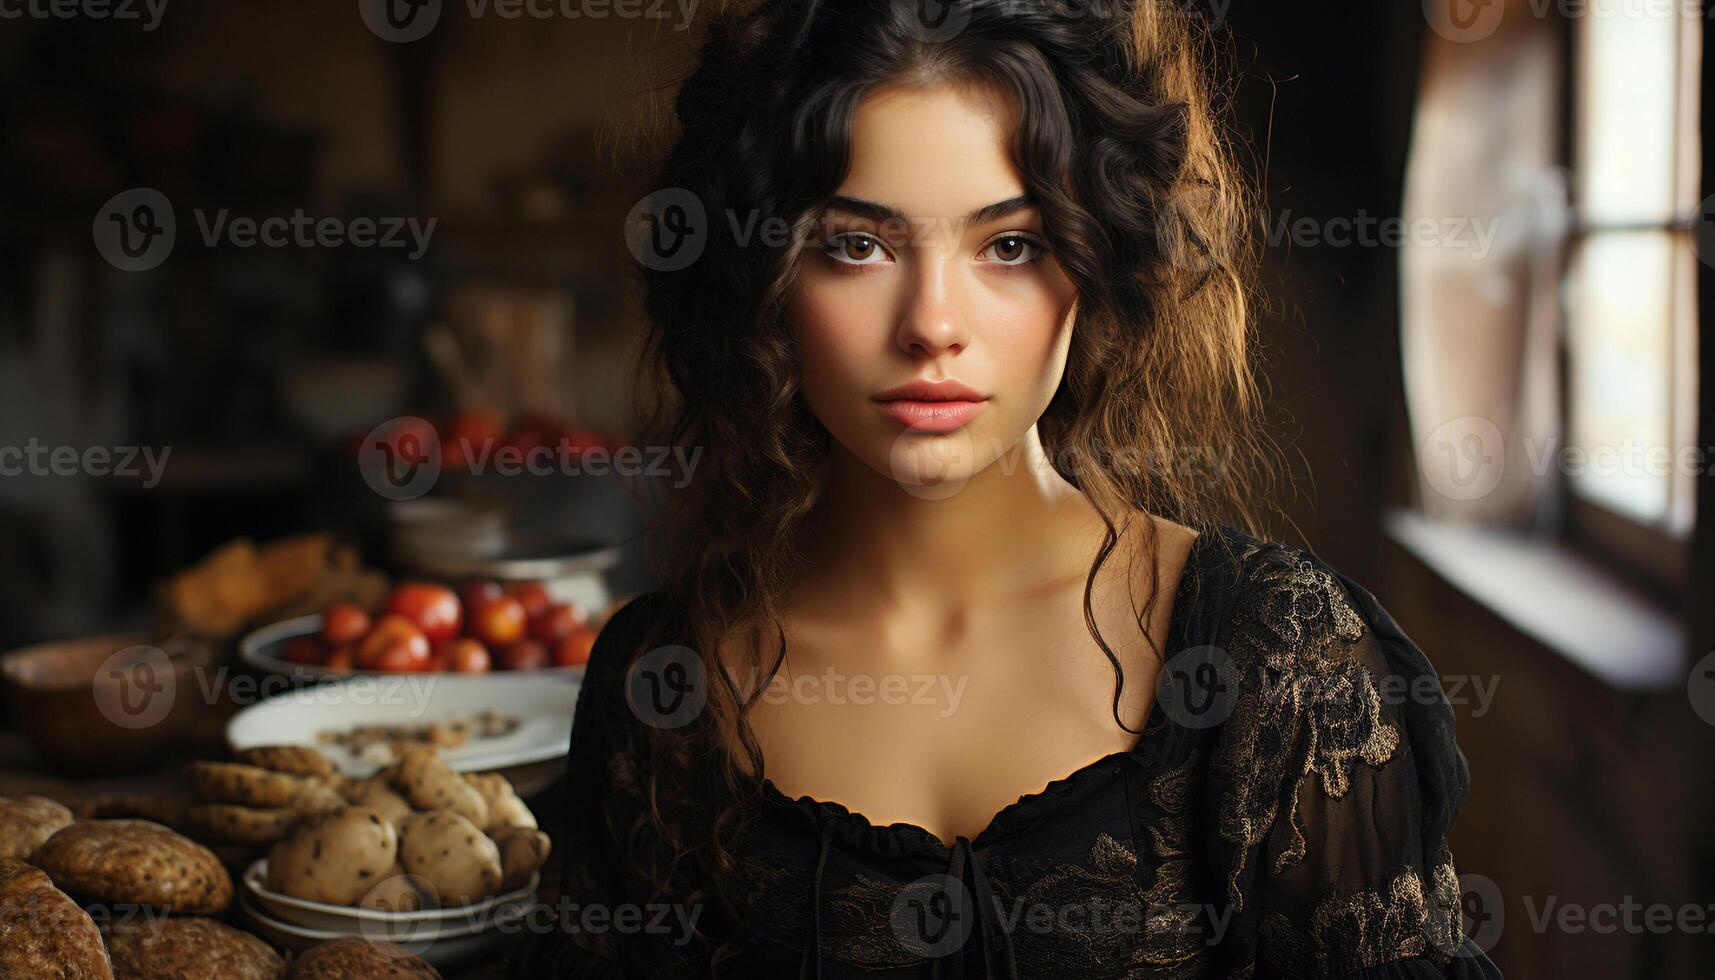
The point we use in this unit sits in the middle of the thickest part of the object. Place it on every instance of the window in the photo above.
(1630, 298)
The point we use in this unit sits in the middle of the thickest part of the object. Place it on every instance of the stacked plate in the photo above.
(449, 937)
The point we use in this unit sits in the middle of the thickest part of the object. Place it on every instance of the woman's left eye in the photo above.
(1014, 249)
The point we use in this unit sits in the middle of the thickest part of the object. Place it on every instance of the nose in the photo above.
(933, 321)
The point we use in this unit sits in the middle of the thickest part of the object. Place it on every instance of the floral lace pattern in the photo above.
(1289, 841)
(1308, 705)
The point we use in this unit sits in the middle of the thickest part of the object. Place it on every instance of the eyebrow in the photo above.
(882, 213)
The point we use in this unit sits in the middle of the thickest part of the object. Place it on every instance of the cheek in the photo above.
(1028, 330)
(836, 329)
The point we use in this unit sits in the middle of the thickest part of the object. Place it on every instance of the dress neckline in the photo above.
(904, 835)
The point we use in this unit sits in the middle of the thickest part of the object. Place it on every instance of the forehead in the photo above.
(933, 151)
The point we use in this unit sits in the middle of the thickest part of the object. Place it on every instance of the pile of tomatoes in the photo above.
(426, 627)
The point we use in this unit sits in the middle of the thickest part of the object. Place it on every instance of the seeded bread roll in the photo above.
(135, 862)
(43, 933)
(176, 947)
(28, 821)
(300, 760)
(232, 782)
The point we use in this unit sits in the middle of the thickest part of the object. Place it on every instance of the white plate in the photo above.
(399, 927)
(543, 706)
(445, 954)
(265, 649)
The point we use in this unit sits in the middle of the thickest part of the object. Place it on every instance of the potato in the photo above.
(522, 851)
(430, 784)
(335, 859)
(377, 793)
(452, 853)
(505, 809)
(399, 891)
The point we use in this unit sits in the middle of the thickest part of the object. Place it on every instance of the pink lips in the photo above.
(931, 406)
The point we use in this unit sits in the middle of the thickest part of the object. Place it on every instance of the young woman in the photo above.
(964, 665)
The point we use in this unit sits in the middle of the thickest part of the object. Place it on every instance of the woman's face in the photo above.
(930, 266)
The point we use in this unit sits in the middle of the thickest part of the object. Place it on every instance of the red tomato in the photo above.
(344, 622)
(404, 657)
(340, 659)
(534, 596)
(499, 622)
(440, 654)
(575, 649)
(467, 656)
(434, 608)
(392, 633)
(556, 623)
(474, 592)
(305, 650)
(524, 655)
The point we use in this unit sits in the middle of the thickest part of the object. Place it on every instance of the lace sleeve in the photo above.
(589, 842)
(1339, 778)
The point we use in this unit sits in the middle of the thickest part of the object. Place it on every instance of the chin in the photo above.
(932, 465)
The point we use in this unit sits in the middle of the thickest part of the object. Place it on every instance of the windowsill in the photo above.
(1554, 595)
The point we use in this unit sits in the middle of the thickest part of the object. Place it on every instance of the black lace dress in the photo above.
(1284, 815)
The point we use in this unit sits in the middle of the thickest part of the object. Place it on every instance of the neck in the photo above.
(1015, 527)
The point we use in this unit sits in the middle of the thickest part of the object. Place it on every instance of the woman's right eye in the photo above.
(855, 248)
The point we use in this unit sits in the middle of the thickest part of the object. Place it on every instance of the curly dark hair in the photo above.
(1143, 205)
